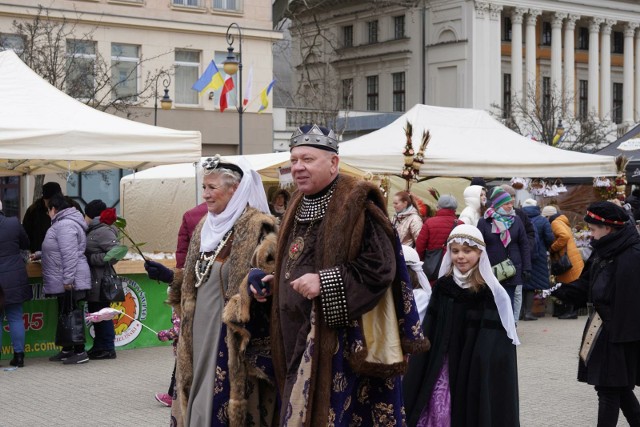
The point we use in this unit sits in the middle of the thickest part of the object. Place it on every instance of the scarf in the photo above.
(501, 223)
(462, 279)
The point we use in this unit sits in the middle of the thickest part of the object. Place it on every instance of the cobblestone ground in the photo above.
(120, 392)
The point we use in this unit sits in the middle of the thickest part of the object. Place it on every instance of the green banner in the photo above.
(143, 305)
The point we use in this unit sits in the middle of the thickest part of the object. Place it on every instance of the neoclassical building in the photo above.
(479, 53)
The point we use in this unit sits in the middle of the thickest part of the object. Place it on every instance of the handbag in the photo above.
(505, 270)
(561, 265)
(111, 286)
(433, 259)
(70, 328)
(592, 332)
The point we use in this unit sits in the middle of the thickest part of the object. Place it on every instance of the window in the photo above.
(506, 29)
(81, 58)
(398, 91)
(193, 3)
(347, 94)
(546, 98)
(506, 97)
(617, 42)
(187, 63)
(10, 195)
(226, 4)
(12, 42)
(347, 36)
(617, 103)
(583, 38)
(546, 33)
(125, 59)
(583, 99)
(398, 27)
(372, 32)
(372, 93)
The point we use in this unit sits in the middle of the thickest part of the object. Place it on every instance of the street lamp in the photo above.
(165, 101)
(232, 65)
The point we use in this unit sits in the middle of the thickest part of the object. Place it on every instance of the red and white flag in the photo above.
(226, 88)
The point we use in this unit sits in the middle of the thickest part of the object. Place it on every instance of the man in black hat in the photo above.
(335, 263)
(36, 220)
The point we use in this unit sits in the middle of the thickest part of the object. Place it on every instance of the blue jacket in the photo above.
(539, 263)
(517, 250)
(63, 259)
(13, 271)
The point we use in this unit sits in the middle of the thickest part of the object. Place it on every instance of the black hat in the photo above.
(478, 180)
(606, 213)
(49, 189)
(94, 208)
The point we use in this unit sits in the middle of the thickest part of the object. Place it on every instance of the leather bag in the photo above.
(505, 270)
(561, 265)
(70, 328)
(111, 286)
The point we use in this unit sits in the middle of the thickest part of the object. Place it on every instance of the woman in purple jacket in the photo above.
(65, 271)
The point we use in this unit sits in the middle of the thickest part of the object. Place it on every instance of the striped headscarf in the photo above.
(501, 221)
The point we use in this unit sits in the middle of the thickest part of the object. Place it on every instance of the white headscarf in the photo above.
(471, 236)
(249, 192)
(421, 295)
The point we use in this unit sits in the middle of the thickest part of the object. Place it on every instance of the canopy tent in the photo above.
(43, 130)
(464, 143)
(629, 146)
(172, 189)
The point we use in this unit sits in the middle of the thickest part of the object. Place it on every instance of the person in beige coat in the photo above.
(407, 220)
(564, 243)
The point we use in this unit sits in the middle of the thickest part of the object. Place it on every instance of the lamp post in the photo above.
(232, 65)
(165, 101)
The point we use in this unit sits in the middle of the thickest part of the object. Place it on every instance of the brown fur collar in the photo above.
(249, 231)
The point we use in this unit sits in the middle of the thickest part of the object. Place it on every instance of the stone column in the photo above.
(530, 54)
(594, 62)
(627, 72)
(570, 65)
(605, 69)
(556, 54)
(516, 53)
(637, 85)
(480, 43)
(494, 65)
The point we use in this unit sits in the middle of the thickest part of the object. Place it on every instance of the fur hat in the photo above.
(49, 189)
(606, 213)
(447, 201)
(499, 197)
(529, 202)
(548, 211)
(94, 208)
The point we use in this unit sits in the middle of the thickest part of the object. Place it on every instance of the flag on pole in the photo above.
(247, 93)
(264, 96)
(228, 87)
(210, 79)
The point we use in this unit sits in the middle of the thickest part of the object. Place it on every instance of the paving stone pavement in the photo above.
(120, 392)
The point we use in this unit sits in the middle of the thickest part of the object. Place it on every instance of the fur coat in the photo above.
(253, 245)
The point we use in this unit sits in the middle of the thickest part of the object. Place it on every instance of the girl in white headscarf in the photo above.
(470, 376)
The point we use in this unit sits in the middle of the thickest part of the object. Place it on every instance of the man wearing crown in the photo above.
(338, 269)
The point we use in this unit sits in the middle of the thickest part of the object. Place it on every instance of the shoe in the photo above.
(102, 354)
(529, 316)
(76, 359)
(164, 399)
(569, 315)
(62, 356)
(18, 360)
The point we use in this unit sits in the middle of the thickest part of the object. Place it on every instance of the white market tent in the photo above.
(43, 130)
(465, 143)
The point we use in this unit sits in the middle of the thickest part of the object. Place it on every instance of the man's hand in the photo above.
(308, 285)
(266, 291)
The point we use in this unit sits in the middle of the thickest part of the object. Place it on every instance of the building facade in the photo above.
(483, 54)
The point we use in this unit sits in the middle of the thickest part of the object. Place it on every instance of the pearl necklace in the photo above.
(203, 271)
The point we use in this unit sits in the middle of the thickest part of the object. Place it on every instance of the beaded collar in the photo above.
(315, 207)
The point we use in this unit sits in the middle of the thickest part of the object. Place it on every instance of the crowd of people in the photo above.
(296, 312)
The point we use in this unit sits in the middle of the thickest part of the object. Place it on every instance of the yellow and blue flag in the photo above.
(210, 79)
(264, 96)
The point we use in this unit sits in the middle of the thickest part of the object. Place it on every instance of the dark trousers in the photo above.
(172, 386)
(613, 399)
(105, 333)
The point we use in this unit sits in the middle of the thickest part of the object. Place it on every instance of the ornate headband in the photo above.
(462, 237)
(314, 136)
(211, 163)
(604, 220)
